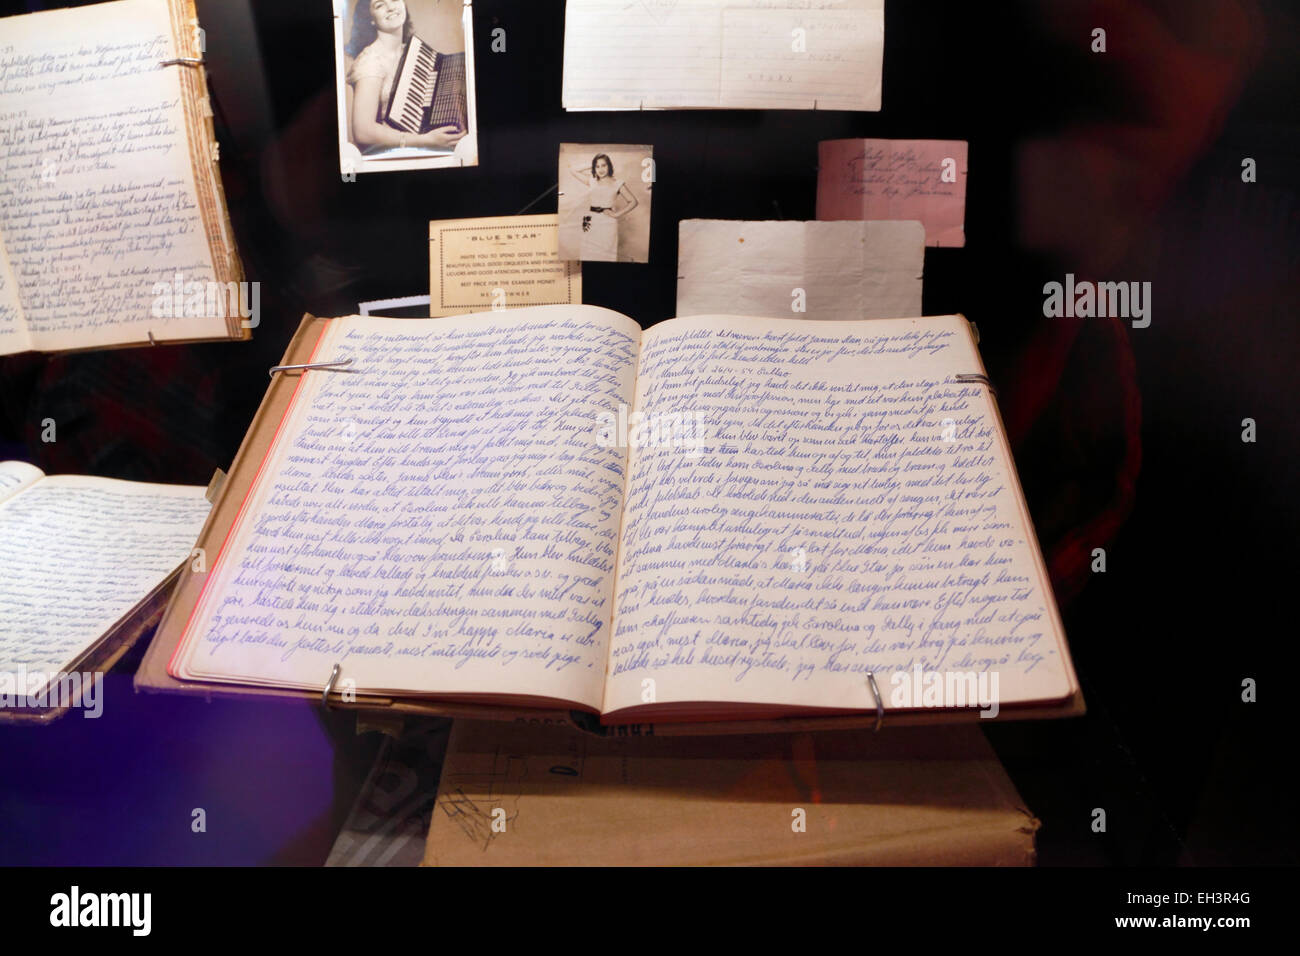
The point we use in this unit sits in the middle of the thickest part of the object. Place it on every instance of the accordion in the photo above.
(428, 89)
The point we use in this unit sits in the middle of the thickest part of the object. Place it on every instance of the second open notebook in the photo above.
(720, 518)
(113, 222)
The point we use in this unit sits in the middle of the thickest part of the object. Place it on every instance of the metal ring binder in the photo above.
(329, 686)
(152, 340)
(880, 704)
(976, 379)
(329, 366)
(183, 61)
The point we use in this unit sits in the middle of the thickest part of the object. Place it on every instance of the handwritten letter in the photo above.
(921, 179)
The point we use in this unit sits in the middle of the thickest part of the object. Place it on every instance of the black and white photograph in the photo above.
(604, 202)
(405, 75)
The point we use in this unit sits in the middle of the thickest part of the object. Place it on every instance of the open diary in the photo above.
(717, 519)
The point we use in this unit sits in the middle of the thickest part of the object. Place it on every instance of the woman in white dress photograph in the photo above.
(607, 201)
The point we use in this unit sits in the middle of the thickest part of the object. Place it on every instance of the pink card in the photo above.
(921, 179)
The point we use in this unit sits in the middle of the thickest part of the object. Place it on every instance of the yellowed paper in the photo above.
(810, 270)
(500, 262)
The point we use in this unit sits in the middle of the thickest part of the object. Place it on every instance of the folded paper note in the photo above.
(812, 270)
(922, 179)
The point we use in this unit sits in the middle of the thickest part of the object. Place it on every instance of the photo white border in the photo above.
(466, 152)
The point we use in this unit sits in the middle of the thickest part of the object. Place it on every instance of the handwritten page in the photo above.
(98, 202)
(811, 270)
(14, 336)
(502, 262)
(922, 179)
(851, 508)
(77, 553)
(439, 519)
(727, 54)
(17, 475)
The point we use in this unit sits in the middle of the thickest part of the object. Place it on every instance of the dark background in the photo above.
(1122, 166)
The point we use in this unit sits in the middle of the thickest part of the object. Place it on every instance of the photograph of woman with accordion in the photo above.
(406, 82)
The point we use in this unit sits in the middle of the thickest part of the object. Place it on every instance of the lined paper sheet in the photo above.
(723, 54)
